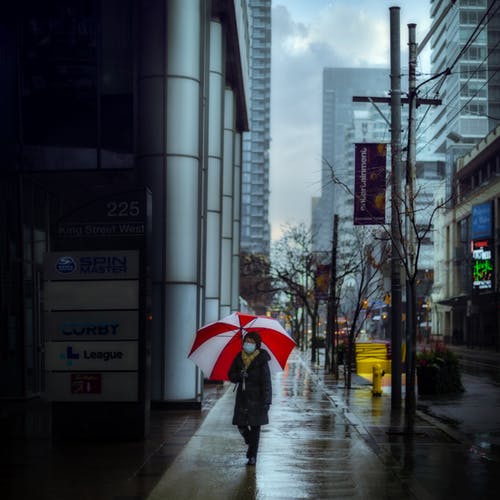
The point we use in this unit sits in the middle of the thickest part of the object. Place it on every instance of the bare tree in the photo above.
(255, 281)
(358, 288)
(293, 269)
(415, 226)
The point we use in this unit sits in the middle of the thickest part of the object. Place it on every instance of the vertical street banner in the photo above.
(369, 183)
(322, 281)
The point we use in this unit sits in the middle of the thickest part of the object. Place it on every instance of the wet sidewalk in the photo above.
(323, 442)
(34, 466)
(326, 443)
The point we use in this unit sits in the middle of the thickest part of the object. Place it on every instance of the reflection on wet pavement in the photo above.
(323, 442)
(311, 450)
(474, 413)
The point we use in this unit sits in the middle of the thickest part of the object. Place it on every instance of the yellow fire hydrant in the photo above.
(377, 373)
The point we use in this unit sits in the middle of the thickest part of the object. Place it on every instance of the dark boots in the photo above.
(251, 436)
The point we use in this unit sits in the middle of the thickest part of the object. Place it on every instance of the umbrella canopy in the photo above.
(217, 344)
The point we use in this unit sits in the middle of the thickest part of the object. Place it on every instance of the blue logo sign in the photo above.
(69, 356)
(65, 265)
(482, 218)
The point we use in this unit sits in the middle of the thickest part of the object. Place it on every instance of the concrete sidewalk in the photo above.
(326, 442)
(322, 442)
(34, 466)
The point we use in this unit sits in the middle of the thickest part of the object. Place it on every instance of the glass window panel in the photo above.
(59, 72)
(116, 79)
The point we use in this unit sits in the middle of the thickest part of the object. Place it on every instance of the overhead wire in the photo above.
(475, 94)
(472, 38)
(459, 110)
(471, 74)
(448, 71)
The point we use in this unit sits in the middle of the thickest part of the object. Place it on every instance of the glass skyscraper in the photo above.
(255, 230)
(467, 42)
(339, 86)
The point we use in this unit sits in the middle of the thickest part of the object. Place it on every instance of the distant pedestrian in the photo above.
(250, 370)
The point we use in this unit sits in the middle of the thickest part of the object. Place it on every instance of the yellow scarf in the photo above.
(248, 358)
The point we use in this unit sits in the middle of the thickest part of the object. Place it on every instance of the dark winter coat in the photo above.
(252, 403)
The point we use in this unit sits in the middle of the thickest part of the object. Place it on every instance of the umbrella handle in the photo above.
(243, 376)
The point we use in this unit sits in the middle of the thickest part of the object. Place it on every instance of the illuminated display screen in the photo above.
(482, 264)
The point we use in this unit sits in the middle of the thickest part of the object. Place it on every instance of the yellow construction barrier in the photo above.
(369, 354)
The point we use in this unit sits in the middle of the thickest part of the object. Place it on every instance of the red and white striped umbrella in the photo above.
(217, 344)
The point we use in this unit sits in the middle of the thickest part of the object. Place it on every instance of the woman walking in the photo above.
(250, 370)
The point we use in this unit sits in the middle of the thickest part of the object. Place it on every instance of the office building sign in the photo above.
(92, 325)
(96, 301)
(482, 221)
(121, 216)
(85, 387)
(93, 265)
(92, 356)
(91, 302)
(482, 264)
(369, 183)
(86, 383)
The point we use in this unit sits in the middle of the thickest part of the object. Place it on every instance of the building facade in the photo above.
(463, 130)
(467, 41)
(255, 229)
(465, 295)
(465, 49)
(101, 97)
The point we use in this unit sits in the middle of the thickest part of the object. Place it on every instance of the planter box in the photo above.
(433, 379)
(427, 380)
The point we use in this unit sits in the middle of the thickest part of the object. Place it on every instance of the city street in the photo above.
(197, 192)
(323, 442)
(476, 412)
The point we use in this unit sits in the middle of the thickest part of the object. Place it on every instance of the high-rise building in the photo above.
(467, 42)
(339, 87)
(255, 230)
(344, 124)
(466, 45)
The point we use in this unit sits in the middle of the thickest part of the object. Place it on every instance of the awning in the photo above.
(478, 299)
(458, 302)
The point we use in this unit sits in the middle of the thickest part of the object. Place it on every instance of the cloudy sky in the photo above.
(309, 35)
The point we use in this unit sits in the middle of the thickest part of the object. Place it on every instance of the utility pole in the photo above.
(396, 235)
(411, 292)
(331, 322)
(395, 207)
